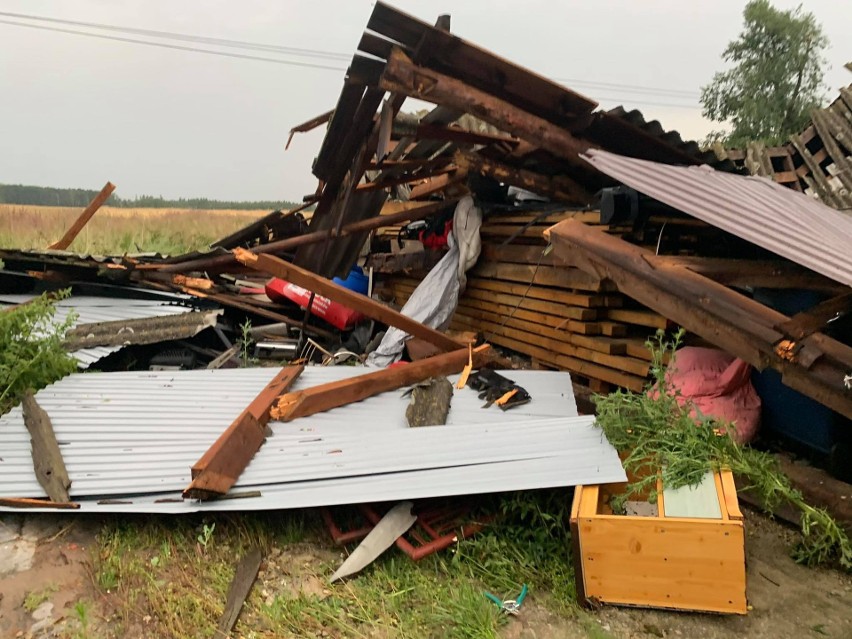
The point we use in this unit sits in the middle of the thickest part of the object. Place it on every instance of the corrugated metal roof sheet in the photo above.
(756, 209)
(93, 309)
(138, 433)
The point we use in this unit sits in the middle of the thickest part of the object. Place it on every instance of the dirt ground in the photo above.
(47, 590)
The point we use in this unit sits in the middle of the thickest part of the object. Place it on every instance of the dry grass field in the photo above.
(117, 230)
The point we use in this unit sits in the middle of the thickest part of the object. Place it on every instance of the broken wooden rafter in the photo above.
(82, 220)
(361, 303)
(418, 211)
(438, 184)
(309, 125)
(556, 187)
(814, 319)
(401, 75)
(405, 179)
(815, 366)
(334, 394)
(48, 464)
(223, 463)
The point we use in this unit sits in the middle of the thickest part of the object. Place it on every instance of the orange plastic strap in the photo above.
(505, 398)
(467, 369)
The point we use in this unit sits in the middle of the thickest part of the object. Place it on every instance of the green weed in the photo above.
(658, 433)
(31, 351)
(37, 597)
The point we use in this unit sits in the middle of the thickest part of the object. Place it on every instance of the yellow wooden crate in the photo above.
(660, 561)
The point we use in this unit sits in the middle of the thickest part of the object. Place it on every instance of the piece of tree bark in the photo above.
(47, 459)
(430, 403)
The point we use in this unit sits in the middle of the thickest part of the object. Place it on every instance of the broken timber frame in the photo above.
(557, 187)
(314, 237)
(361, 303)
(220, 467)
(814, 365)
(85, 216)
(334, 394)
(402, 76)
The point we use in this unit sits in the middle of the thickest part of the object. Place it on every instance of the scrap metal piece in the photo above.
(392, 526)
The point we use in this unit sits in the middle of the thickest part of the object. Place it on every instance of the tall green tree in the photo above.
(776, 77)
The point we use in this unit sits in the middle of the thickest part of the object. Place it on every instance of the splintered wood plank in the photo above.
(340, 393)
(552, 340)
(85, 216)
(564, 277)
(48, 464)
(564, 333)
(475, 291)
(223, 463)
(244, 578)
(640, 318)
(528, 345)
(361, 303)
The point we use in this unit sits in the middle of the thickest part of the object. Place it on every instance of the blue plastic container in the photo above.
(355, 281)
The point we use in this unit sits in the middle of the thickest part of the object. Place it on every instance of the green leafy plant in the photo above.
(31, 351)
(206, 534)
(245, 342)
(660, 431)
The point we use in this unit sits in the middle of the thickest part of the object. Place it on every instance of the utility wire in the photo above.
(176, 46)
(240, 44)
(309, 53)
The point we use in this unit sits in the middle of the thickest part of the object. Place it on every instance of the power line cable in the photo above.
(318, 53)
(241, 44)
(176, 46)
(632, 88)
(290, 50)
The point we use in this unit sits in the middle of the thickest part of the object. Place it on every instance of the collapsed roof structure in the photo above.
(692, 243)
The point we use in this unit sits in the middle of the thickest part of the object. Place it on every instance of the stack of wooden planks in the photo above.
(523, 299)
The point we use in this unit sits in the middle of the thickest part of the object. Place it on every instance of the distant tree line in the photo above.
(49, 196)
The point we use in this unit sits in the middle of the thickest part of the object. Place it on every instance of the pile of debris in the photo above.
(514, 213)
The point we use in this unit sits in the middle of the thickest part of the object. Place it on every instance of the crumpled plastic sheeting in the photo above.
(434, 300)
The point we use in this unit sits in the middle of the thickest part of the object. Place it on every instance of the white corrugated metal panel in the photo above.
(94, 309)
(139, 433)
(781, 220)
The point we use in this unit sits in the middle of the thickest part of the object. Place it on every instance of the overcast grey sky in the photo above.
(77, 111)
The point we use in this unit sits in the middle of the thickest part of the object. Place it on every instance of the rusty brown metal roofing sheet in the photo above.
(781, 220)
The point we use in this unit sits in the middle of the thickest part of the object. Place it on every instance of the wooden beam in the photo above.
(729, 320)
(417, 211)
(309, 125)
(361, 303)
(437, 184)
(222, 464)
(557, 187)
(335, 394)
(814, 319)
(47, 459)
(405, 179)
(753, 273)
(401, 75)
(244, 578)
(85, 216)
